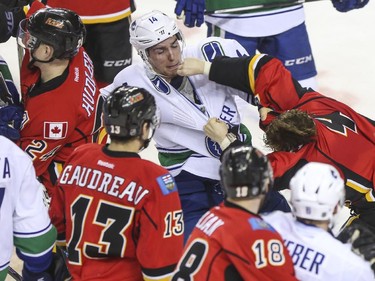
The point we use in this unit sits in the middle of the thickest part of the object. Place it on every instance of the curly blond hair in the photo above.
(291, 130)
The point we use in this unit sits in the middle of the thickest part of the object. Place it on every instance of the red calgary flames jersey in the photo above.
(96, 11)
(229, 243)
(345, 138)
(123, 216)
(60, 115)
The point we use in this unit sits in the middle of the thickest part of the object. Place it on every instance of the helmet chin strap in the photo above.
(147, 141)
(42, 61)
(145, 144)
(34, 59)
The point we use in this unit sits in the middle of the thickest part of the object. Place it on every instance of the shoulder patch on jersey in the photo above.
(213, 147)
(160, 85)
(55, 130)
(212, 49)
(259, 224)
(166, 184)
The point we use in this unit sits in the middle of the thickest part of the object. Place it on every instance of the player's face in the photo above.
(165, 57)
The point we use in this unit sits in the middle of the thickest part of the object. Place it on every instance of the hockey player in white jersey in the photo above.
(317, 193)
(24, 219)
(186, 105)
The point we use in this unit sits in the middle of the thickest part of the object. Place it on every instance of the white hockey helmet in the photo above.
(316, 189)
(151, 29)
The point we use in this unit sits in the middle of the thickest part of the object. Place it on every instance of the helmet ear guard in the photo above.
(316, 190)
(245, 172)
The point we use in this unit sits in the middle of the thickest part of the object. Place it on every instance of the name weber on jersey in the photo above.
(304, 256)
(103, 182)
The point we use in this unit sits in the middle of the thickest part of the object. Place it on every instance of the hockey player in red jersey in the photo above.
(121, 214)
(107, 41)
(231, 241)
(302, 125)
(61, 100)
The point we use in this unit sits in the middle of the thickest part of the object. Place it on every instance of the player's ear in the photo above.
(47, 51)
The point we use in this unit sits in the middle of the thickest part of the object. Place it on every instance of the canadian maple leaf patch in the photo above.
(55, 130)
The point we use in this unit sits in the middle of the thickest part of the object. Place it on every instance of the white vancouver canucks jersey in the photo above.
(180, 140)
(23, 217)
(316, 253)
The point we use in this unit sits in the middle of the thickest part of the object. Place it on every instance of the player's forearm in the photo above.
(232, 72)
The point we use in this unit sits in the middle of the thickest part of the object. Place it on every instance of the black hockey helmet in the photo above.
(245, 172)
(127, 109)
(60, 28)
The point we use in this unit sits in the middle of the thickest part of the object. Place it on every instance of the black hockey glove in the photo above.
(10, 121)
(9, 21)
(11, 110)
(348, 5)
(362, 238)
(60, 265)
(192, 11)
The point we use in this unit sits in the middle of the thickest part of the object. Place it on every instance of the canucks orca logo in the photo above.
(211, 50)
(213, 147)
(160, 85)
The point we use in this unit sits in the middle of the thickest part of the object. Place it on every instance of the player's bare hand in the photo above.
(263, 111)
(191, 66)
(216, 129)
